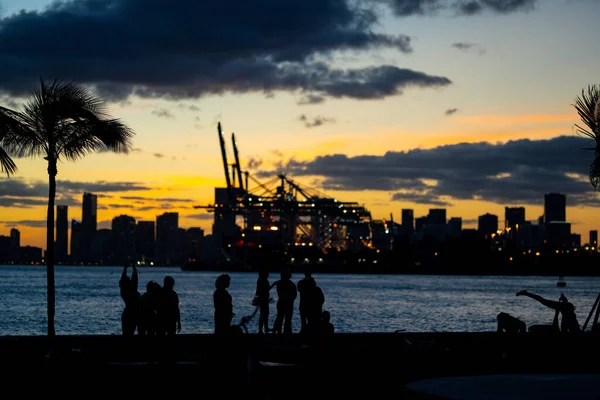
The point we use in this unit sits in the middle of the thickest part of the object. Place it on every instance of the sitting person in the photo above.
(326, 328)
(508, 323)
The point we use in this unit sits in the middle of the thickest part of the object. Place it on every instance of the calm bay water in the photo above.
(88, 301)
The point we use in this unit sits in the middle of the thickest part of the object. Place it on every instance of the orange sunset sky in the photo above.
(423, 104)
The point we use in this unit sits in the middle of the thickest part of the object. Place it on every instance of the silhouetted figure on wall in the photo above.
(326, 327)
(168, 312)
(261, 300)
(130, 295)
(563, 306)
(223, 305)
(302, 289)
(147, 304)
(286, 295)
(508, 323)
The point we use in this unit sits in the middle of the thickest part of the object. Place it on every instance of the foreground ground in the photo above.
(253, 366)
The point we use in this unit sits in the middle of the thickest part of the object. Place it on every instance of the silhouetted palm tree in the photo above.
(588, 107)
(6, 163)
(61, 121)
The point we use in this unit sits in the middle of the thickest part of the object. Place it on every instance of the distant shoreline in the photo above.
(350, 271)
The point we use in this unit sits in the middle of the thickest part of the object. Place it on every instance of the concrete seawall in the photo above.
(376, 362)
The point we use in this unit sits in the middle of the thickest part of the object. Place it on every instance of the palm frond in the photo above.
(587, 105)
(7, 165)
(18, 136)
(595, 173)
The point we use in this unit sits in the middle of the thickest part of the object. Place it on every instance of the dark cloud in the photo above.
(254, 163)
(109, 206)
(311, 99)
(195, 48)
(17, 192)
(163, 113)
(451, 111)
(200, 216)
(314, 122)
(158, 155)
(160, 199)
(405, 8)
(425, 197)
(516, 172)
(469, 47)
(30, 223)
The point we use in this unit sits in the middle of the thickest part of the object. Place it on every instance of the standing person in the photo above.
(147, 304)
(303, 287)
(223, 305)
(286, 295)
(130, 295)
(261, 300)
(168, 313)
(314, 300)
(563, 306)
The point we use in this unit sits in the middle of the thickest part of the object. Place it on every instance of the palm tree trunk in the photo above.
(50, 247)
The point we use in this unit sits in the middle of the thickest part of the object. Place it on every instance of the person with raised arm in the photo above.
(130, 295)
(569, 322)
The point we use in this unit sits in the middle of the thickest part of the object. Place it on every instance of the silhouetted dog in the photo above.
(510, 324)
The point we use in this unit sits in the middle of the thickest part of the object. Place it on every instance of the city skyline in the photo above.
(386, 124)
(435, 216)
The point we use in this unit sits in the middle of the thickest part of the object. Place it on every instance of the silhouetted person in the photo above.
(223, 305)
(563, 306)
(262, 297)
(129, 293)
(302, 288)
(326, 327)
(168, 313)
(147, 305)
(313, 306)
(510, 324)
(286, 295)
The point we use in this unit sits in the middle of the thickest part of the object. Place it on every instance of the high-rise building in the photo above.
(408, 217)
(123, 229)
(455, 225)
(437, 216)
(167, 232)
(75, 241)
(88, 225)
(514, 216)
(144, 240)
(555, 207)
(420, 223)
(488, 223)
(594, 238)
(61, 252)
(15, 244)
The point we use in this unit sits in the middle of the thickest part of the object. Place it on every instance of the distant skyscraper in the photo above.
(407, 221)
(555, 207)
(88, 225)
(123, 229)
(62, 234)
(15, 244)
(488, 223)
(420, 223)
(75, 241)
(437, 216)
(167, 232)
(514, 216)
(594, 238)
(455, 224)
(144, 240)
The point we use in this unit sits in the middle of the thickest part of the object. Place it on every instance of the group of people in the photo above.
(314, 321)
(155, 312)
(562, 307)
